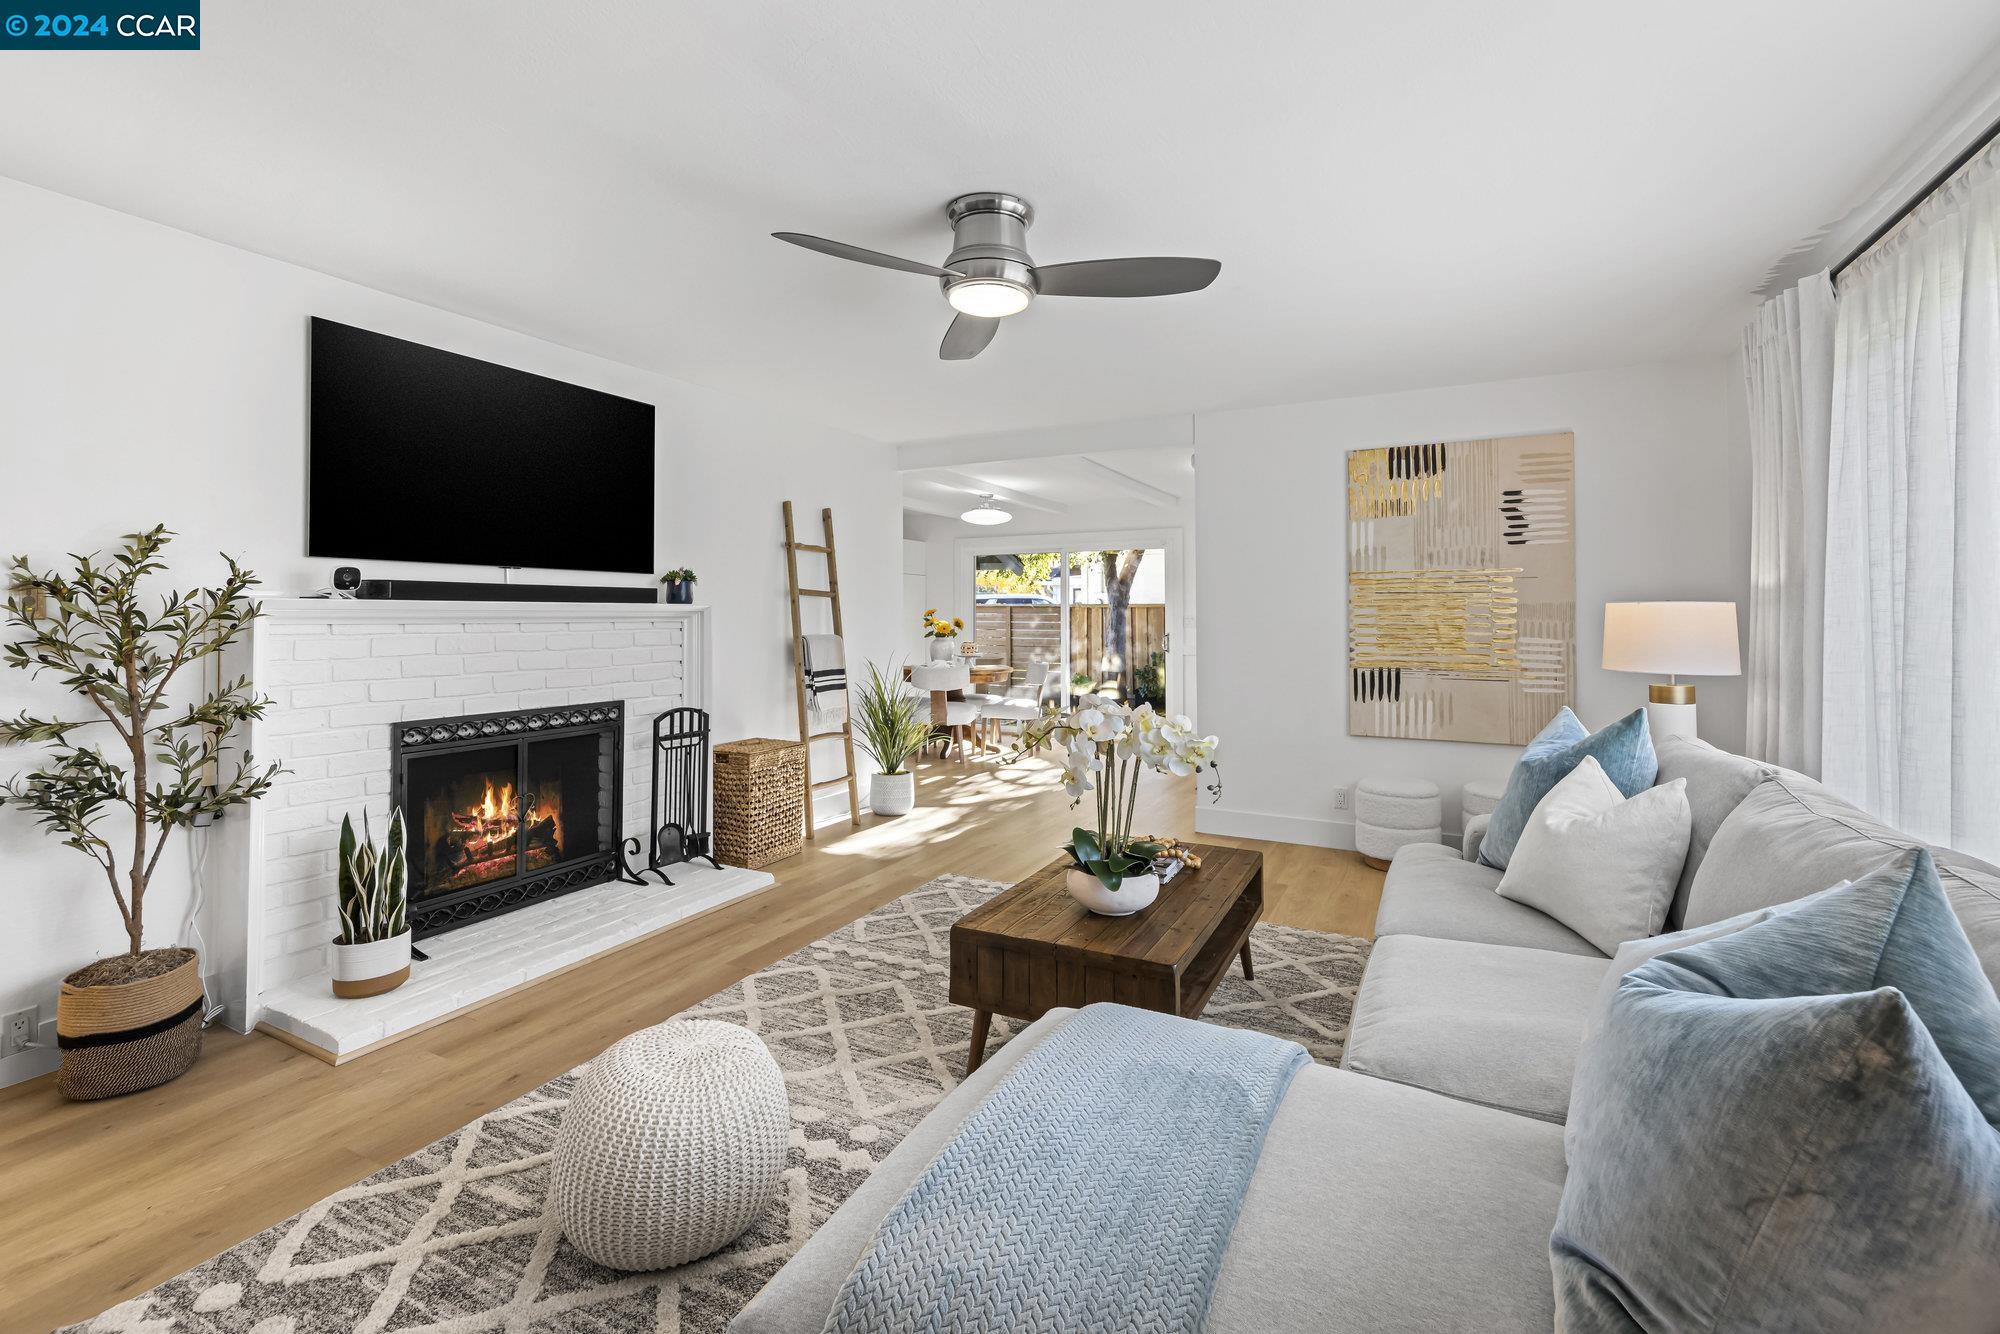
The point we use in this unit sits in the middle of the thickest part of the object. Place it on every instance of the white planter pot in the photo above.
(371, 968)
(1134, 893)
(892, 794)
(944, 650)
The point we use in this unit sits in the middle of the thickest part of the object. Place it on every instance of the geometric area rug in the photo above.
(454, 1239)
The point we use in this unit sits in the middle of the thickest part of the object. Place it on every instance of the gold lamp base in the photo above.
(1661, 693)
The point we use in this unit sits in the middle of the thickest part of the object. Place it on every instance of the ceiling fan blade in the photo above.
(1158, 275)
(967, 338)
(842, 250)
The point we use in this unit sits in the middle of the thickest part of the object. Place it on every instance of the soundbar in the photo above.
(452, 590)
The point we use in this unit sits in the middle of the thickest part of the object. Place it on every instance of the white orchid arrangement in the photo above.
(1105, 747)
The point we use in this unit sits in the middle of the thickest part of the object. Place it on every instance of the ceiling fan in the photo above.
(989, 276)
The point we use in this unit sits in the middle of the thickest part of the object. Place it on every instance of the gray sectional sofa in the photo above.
(1483, 999)
(1415, 1189)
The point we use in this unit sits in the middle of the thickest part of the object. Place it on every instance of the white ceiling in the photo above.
(1400, 194)
(1102, 489)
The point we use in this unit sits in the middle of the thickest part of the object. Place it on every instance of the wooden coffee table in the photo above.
(1033, 948)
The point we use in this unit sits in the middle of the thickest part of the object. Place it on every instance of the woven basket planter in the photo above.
(760, 801)
(120, 1037)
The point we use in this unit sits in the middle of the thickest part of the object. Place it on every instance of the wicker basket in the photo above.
(123, 1037)
(760, 801)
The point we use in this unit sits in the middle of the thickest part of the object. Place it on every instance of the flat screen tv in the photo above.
(422, 455)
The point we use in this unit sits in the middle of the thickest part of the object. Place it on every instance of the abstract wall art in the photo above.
(1461, 588)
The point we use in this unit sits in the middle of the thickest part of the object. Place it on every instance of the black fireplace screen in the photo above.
(507, 809)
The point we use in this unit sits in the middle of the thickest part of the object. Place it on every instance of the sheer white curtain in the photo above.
(1788, 374)
(1911, 726)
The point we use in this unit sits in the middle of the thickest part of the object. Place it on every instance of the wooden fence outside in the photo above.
(1029, 639)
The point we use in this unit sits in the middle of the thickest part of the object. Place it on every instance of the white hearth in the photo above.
(339, 675)
(489, 958)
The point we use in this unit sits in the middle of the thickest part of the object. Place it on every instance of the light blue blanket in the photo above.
(1094, 1189)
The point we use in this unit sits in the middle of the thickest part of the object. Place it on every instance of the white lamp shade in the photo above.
(1672, 638)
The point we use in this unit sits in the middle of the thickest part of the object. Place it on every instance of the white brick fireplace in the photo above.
(339, 674)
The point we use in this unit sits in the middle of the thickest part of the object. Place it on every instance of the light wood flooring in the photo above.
(100, 1201)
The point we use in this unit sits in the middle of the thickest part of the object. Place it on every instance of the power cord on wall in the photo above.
(197, 845)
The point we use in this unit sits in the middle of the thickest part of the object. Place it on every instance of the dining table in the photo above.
(941, 680)
(988, 674)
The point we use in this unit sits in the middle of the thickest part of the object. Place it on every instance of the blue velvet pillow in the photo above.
(1893, 927)
(1743, 1159)
(1624, 750)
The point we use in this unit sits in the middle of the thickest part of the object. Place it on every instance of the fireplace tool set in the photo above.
(679, 817)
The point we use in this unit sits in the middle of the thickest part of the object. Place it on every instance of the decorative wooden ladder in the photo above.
(832, 594)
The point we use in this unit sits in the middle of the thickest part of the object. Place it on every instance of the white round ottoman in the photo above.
(1392, 812)
(672, 1145)
(1481, 797)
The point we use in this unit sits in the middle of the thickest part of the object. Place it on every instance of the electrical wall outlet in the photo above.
(17, 1030)
(1340, 798)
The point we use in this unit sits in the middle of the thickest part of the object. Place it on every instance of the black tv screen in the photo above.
(422, 455)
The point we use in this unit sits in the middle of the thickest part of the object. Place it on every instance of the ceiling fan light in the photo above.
(987, 298)
(986, 513)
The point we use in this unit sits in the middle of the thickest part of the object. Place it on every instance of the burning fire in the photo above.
(487, 829)
(490, 829)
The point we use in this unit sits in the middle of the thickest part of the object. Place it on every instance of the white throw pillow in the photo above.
(1603, 865)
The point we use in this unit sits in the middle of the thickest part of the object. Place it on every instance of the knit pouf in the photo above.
(1392, 812)
(1481, 797)
(672, 1145)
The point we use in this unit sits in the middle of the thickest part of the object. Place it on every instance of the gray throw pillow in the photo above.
(1791, 836)
(1717, 782)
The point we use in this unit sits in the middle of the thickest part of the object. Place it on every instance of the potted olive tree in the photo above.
(891, 724)
(372, 953)
(131, 1020)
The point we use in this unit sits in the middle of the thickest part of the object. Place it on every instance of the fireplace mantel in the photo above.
(363, 611)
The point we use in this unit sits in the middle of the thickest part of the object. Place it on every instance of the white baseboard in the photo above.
(831, 805)
(1273, 828)
(28, 1065)
(1285, 828)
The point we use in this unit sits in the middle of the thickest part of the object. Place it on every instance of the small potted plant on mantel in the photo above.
(680, 585)
(891, 724)
(371, 954)
(1105, 747)
(131, 1020)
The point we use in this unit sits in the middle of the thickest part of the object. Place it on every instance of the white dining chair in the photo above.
(1023, 705)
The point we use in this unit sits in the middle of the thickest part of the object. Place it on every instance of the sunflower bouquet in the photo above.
(937, 627)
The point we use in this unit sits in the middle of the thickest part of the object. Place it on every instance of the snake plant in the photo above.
(374, 883)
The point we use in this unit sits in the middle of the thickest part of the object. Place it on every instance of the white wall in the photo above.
(1662, 499)
(147, 375)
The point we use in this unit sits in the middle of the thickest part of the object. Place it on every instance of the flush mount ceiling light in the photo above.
(987, 298)
(986, 513)
(989, 274)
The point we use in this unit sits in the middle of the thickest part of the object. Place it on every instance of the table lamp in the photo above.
(1673, 639)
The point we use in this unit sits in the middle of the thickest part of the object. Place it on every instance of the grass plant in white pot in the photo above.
(372, 953)
(1105, 747)
(891, 723)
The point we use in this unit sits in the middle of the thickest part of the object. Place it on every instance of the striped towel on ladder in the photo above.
(825, 670)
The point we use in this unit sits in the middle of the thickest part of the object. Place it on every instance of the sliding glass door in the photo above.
(1097, 618)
